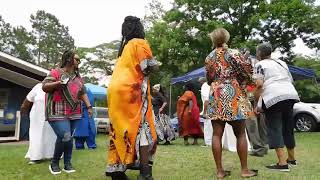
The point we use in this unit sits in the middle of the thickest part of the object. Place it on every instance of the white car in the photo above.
(101, 119)
(306, 116)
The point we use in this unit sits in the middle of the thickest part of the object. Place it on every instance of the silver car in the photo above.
(101, 119)
(306, 116)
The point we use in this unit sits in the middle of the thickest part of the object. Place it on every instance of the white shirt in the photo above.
(277, 81)
(205, 92)
(41, 136)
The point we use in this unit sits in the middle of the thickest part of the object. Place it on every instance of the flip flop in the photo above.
(254, 173)
(226, 173)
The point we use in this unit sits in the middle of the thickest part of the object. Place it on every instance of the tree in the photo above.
(6, 36)
(53, 38)
(283, 21)
(16, 41)
(180, 41)
(98, 61)
(23, 42)
(308, 90)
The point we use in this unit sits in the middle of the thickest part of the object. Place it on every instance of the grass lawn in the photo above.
(172, 162)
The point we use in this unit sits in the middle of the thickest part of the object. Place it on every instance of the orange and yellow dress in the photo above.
(130, 108)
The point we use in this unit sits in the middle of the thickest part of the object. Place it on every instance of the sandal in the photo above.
(225, 174)
(252, 173)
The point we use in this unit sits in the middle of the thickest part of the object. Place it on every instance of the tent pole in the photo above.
(170, 101)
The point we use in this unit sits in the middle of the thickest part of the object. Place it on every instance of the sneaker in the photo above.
(68, 168)
(282, 168)
(31, 162)
(256, 154)
(54, 168)
(292, 163)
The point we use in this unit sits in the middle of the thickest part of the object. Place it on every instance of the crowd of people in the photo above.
(252, 98)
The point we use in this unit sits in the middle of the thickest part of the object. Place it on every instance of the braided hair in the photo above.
(131, 28)
(67, 59)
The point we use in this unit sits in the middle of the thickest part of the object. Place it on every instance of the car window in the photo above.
(99, 112)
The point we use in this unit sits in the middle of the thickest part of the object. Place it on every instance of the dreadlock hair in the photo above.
(131, 28)
(67, 58)
(190, 87)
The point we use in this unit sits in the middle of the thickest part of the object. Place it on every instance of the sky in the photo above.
(90, 22)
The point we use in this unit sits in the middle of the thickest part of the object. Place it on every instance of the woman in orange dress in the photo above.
(132, 131)
(188, 116)
(227, 72)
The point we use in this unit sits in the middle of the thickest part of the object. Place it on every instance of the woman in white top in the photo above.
(41, 136)
(277, 97)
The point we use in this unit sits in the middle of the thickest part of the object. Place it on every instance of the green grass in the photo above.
(172, 162)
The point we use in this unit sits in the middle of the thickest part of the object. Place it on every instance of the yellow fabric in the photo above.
(125, 102)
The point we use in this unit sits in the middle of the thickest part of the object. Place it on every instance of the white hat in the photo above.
(156, 87)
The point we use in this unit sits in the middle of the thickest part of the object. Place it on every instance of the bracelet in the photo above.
(89, 107)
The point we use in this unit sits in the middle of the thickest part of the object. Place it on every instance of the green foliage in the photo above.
(6, 35)
(53, 38)
(308, 90)
(22, 42)
(102, 62)
(16, 41)
(180, 40)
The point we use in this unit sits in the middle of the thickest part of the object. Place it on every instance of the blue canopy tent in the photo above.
(97, 91)
(296, 72)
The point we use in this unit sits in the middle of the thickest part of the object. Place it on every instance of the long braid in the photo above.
(131, 28)
(121, 47)
(67, 58)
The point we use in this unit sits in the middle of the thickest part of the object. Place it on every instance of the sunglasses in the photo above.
(77, 59)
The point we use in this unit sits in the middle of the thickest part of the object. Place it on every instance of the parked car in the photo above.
(101, 119)
(306, 116)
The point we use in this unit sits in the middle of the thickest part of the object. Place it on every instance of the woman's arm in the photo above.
(85, 99)
(51, 86)
(25, 107)
(190, 106)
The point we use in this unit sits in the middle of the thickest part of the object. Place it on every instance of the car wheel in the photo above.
(305, 123)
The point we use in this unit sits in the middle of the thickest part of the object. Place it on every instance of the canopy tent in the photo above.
(97, 91)
(297, 74)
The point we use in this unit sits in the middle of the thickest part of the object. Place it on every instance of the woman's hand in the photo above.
(257, 110)
(90, 112)
(160, 110)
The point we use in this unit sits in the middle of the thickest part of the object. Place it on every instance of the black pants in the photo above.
(280, 124)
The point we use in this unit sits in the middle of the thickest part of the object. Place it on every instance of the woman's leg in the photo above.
(58, 127)
(186, 140)
(71, 125)
(242, 146)
(195, 140)
(218, 128)
(288, 130)
(145, 168)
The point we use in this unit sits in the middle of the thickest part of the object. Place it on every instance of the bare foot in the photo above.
(249, 173)
(223, 173)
